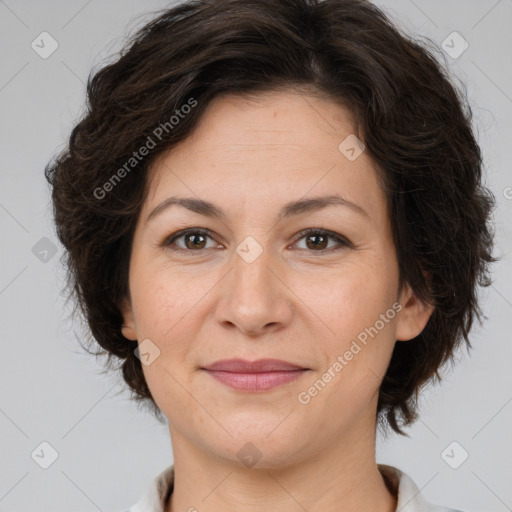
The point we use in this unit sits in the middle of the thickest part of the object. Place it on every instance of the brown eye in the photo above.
(194, 240)
(317, 240)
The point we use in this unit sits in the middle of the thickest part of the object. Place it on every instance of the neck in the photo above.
(343, 475)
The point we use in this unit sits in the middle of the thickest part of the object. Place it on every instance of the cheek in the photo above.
(357, 308)
(351, 299)
(161, 296)
(163, 314)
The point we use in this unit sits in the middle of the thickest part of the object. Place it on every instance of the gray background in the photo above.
(50, 390)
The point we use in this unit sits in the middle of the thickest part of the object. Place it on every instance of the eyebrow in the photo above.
(290, 209)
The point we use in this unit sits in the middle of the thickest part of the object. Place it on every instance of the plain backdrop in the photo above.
(51, 391)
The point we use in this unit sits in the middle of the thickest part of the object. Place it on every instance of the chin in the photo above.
(260, 448)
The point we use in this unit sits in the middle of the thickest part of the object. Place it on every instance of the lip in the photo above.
(259, 366)
(254, 376)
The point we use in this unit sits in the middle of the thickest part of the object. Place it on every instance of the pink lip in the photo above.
(254, 375)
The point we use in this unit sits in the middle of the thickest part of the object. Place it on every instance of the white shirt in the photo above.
(409, 497)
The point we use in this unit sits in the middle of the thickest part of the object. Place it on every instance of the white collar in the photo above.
(409, 497)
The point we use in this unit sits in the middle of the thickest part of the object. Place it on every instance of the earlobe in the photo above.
(413, 316)
(128, 328)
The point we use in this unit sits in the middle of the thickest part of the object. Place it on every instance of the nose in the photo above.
(254, 296)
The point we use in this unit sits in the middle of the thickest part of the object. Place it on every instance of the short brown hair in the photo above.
(414, 122)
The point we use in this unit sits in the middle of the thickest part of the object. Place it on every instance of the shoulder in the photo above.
(409, 496)
(157, 493)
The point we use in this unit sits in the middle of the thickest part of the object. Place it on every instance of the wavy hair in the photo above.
(414, 121)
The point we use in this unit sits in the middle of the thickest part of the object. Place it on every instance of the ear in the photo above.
(413, 316)
(128, 329)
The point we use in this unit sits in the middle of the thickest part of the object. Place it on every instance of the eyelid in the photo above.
(340, 239)
(326, 232)
(183, 232)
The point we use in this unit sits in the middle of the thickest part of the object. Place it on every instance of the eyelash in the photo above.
(169, 241)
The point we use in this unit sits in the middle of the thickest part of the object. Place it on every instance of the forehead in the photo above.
(283, 143)
(279, 118)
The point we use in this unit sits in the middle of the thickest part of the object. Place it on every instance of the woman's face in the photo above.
(257, 288)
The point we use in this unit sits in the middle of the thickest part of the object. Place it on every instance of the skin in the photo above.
(293, 302)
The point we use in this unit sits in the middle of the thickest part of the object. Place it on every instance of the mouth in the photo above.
(254, 376)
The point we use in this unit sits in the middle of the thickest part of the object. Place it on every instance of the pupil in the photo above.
(192, 240)
(316, 246)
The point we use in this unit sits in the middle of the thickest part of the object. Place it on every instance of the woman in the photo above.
(274, 219)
